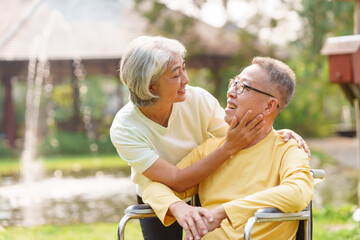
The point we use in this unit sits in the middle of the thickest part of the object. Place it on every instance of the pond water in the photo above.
(60, 200)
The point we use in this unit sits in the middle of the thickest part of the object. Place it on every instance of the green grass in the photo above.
(11, 166)
(85, 162)
(329, 223)
(93, 231)
(332, 223)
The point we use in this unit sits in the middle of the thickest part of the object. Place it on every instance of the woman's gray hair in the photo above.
(144, 61)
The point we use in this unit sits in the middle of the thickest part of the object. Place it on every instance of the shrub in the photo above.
(65, 142)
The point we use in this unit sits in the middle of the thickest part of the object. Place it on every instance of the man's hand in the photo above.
(288, 134)
(192, 219)
(218, 214)
(240, 134)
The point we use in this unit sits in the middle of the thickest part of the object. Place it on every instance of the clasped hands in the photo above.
(196, 221)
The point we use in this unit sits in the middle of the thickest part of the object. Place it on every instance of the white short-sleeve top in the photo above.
(140, 141)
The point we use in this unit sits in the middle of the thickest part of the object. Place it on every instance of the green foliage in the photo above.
(91, 98)
(4, 150)
(317, 104)
(335, 223)
(165, 22)
(2, 94)
(202, 78)
(19, 101)
(94, 97)
(240, 60)
(324, 18)
(315, 108)
(323, 158)
(64, 142)
(62, 97)
(105, 145)
(309, 103)
(331, 214)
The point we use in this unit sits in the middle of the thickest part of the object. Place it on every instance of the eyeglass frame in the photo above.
(233, 82)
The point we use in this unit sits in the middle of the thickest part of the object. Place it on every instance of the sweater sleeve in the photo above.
(292, 195)
(160, 197)
(133, 147)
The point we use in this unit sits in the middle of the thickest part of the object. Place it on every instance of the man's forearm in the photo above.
(219, 215)
(194, 220)
(219, 212)
(161, 201)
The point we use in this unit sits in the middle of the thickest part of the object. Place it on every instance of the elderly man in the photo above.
(267, 173)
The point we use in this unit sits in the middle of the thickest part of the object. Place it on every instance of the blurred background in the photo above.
(60, 176)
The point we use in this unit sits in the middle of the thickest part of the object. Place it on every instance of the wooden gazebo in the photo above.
(95, 32)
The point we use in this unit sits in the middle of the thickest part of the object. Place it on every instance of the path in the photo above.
(340, 184)
(342, 149)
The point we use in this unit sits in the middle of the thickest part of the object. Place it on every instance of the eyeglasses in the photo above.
(240, 86)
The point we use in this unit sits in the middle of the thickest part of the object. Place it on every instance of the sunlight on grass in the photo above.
(333, 223)
(86, 162)
(93, 231)
(11, 166)
(329, 224)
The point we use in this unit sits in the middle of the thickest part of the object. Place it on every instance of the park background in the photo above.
(78, 187)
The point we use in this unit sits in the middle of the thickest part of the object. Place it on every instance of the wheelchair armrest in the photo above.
(134, 212)
(273, 215)
(317, 173)
(139, 209)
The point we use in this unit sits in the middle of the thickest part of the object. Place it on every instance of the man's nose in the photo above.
(231, 92)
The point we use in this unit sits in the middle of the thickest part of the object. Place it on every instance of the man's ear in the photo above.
(271, 106)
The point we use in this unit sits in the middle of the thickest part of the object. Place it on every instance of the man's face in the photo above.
(238, 104)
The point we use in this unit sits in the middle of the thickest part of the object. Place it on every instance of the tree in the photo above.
(316, 105)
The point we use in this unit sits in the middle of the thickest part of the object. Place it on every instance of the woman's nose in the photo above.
(184, 79)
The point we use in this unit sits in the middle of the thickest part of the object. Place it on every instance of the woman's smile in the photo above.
(182, 91)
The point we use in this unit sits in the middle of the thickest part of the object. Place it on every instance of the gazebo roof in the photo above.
(69, 29)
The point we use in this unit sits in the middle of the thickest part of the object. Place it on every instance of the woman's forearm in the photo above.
(239, 135)
(197, 172)
(182, 179)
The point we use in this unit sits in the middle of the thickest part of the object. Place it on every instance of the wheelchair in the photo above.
(261, 216)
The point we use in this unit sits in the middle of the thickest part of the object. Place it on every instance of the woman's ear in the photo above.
(271, 106)
(153, 88)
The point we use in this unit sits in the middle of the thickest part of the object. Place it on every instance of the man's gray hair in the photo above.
(281, 78)
(144, 61)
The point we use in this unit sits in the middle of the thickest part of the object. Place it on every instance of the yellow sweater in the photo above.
(271, 173)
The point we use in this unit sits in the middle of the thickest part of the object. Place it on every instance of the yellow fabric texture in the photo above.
(271, 173)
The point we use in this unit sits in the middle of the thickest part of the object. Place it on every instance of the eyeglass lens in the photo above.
(239, 87)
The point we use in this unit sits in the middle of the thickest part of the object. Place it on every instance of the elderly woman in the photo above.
(165, 119)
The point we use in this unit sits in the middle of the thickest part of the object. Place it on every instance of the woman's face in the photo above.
(170, 87)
